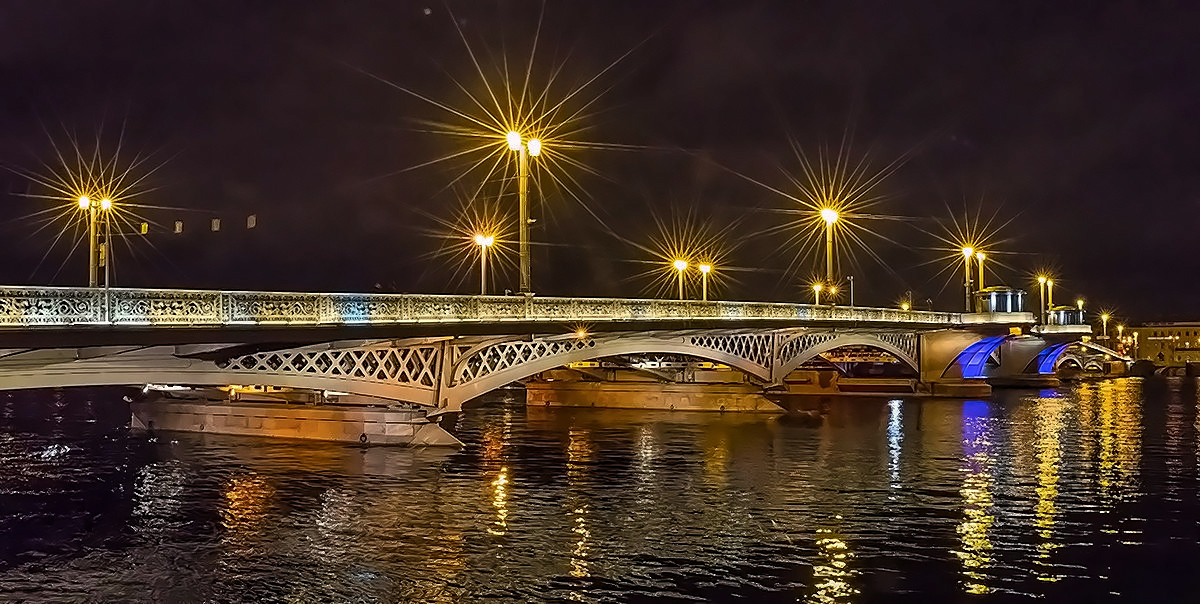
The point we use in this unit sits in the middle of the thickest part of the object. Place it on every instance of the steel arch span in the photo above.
(801, 348)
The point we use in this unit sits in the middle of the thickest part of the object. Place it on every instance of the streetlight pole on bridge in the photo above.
(525, 150)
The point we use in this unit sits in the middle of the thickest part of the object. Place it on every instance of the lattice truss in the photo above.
(756, 348)
(796, 346)
(505, 355)
(412, 366)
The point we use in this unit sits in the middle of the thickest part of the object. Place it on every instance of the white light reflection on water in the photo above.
(895, 434)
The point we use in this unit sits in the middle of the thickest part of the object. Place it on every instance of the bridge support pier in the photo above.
(361, 425)
(650, 395)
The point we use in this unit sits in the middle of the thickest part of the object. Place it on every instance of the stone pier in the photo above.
(337, 423)
(649, 395)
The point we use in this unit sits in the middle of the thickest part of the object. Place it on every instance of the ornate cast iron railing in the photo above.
(61, 306)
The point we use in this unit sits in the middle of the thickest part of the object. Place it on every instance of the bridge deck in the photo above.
(36, 307)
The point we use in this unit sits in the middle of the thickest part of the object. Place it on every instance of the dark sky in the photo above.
(1076, 128)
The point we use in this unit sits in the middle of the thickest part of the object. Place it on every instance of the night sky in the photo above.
(1074, 128)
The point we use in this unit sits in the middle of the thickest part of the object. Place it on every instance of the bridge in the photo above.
(437, 352)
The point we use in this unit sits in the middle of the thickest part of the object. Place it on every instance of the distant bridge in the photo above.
(440, 351)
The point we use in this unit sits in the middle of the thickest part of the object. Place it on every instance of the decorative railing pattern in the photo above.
(61, 306)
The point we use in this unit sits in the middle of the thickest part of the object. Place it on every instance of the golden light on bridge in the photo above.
(515, 106)
(92, 193)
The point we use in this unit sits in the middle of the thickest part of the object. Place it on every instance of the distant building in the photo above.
(1167, 343)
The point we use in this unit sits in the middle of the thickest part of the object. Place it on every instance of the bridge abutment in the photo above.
(334, 423)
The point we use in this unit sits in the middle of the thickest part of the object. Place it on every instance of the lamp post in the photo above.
(980, 256)
(905, 306)
(96, 256)
(1049, 296)
(704, 270)
(850, 278)
(680, 266)
(816, 294)
(484, 242)
(830, 216)
(1041, 298)
(525, 150)
(1120, 331)
(1104, 322)
(967, 253)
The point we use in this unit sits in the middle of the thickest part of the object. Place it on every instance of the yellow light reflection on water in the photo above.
(978, 467)
(832, 572)
(1049, 426)
(580, 453)
(500, 502)
(247, 499)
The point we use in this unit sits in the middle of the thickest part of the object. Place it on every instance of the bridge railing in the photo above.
(60, 306)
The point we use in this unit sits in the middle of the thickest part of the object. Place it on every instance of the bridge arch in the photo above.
(903, 346)
(484, 368)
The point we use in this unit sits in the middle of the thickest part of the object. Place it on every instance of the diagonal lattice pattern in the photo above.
(498, 357)
(797, 345)
(756, 348)
(907, 342)
(415, 366)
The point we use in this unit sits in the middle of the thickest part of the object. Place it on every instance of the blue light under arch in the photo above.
(973, 359)
(1048, 357)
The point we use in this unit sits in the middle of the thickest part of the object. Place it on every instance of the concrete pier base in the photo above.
(963, 389)
(649, 395)
(364, 425)
(1026, 381)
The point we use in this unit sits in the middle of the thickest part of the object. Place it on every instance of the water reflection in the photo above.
(1049, 425)
(978, 466)
(895, 435)
(1029, 493)
(580, 453)
(247, 499)
(832, 573)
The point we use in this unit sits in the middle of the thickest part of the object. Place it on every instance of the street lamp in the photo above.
(704, 270)
(1120, 331)
(967, 252)
(980, 256)
(484, 242)
(1049, 295)
(905, 306)
(96, 256)
(525, 150)
(1104, 322)
(680, 266)
(830, 216)
(850, 278)
(1042, 298)
(816, 294)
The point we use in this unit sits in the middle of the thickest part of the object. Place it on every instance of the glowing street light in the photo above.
(704, 270)
(1079, 303)
(680, 266)
(97, 256)
(1104, 322)
(1049, 295)
(817, 294)
(1120, 331)
(980, 257)
(525, 150)
(484, 242)
(967, 253)
(830, 216)
(905, 306)
(1042, 298)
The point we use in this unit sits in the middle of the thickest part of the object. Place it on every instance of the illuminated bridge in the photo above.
(437, 352)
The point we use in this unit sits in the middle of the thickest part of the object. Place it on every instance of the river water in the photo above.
(1087, 493)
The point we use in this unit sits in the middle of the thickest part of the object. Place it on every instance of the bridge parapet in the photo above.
(66, 306)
